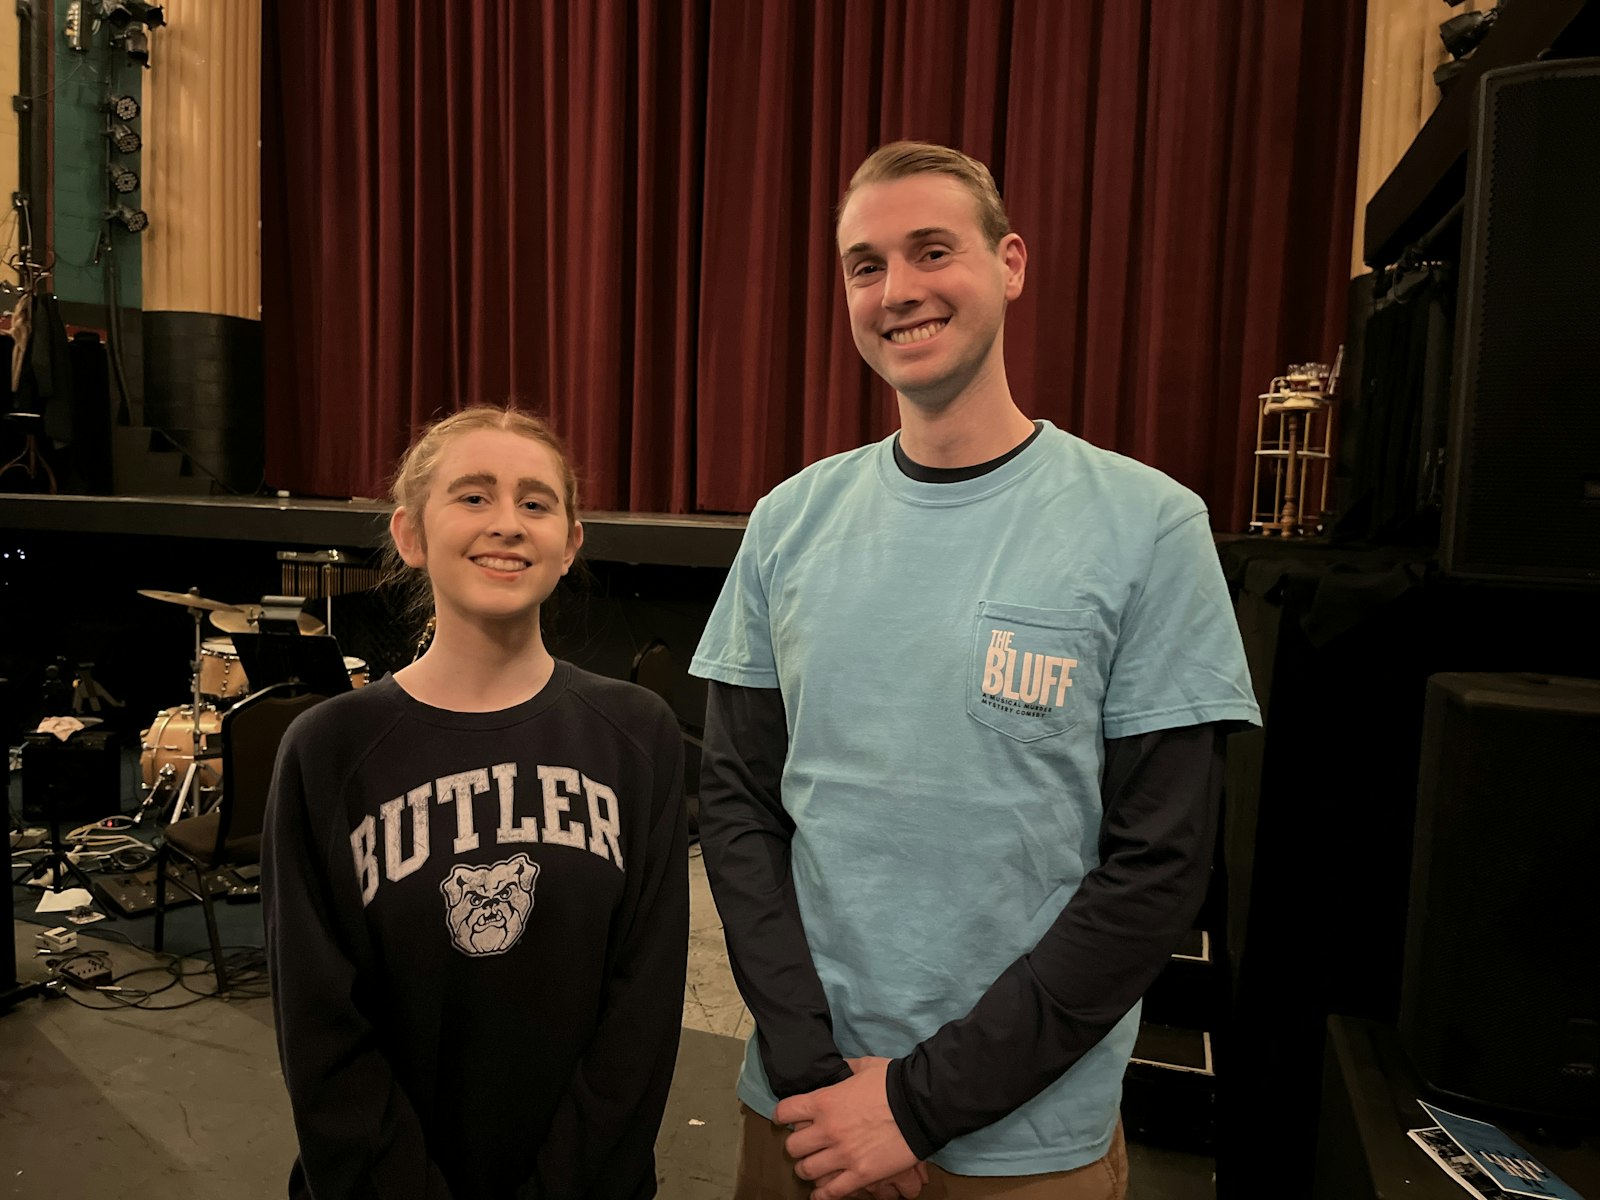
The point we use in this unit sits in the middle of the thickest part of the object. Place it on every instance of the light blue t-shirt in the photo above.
(951, 656)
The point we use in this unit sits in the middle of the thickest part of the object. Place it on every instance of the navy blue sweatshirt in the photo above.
(477, 931)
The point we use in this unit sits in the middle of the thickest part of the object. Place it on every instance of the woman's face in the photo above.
(495, 536)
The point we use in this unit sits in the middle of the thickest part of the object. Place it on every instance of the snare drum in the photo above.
(170, 742)
(222, 675)
(356, 668)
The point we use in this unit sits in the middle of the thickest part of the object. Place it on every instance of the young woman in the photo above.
(476, 872)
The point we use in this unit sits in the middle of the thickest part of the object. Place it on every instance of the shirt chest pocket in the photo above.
(1036, 672)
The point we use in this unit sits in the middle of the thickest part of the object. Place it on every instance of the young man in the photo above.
(969, 691)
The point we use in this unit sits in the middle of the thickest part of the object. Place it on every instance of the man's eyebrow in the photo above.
(916, 235)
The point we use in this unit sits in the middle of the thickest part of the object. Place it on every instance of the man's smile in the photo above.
(913, 334)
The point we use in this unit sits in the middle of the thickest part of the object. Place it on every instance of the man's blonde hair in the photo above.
(900, 160)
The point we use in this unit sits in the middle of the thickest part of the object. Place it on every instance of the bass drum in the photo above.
(170, 742)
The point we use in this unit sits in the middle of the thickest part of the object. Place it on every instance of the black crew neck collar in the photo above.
(922, 474)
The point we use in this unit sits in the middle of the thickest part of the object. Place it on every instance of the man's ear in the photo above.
(408, 539)
(1014, 256)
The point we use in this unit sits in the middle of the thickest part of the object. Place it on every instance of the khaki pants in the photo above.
(767, 1173)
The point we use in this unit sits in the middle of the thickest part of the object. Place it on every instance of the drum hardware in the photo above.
(155, 794)
(176, 737)
(223, 677)
(200, 805)
(198, 607)
(177, 758)
(245, 616)
(190, 599)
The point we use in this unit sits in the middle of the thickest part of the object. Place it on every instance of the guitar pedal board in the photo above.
(132, 893)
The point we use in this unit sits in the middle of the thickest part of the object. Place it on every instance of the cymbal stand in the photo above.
(199, 615)
(200, 753)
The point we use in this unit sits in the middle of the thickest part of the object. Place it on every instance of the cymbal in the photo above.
(188, 600)
(242, 619)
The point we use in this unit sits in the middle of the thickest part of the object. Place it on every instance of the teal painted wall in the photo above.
(83, 81)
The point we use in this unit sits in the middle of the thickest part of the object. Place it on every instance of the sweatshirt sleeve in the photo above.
(601, 1142)
(1161, 798)
(359, 1135)
(745, 835)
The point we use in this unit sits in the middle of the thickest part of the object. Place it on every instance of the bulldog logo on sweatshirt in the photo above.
(487, 907)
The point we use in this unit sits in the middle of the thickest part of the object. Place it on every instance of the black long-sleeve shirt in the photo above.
(1160, 793)
(477, 932)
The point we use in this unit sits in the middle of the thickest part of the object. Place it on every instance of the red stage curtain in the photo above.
(479, 202)
(620, 212)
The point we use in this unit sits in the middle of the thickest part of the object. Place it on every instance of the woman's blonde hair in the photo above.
(414, 476)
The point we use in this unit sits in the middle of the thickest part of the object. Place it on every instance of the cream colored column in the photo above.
(202, 160)
(1398, 94)
(10, 126)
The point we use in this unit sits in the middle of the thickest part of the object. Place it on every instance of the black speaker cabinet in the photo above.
(81, 777)
(1522, 487)
(1500, 998)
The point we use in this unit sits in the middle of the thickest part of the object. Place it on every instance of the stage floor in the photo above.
(189, 1105)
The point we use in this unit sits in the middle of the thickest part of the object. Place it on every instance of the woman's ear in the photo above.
(574, 543)
(408, 538)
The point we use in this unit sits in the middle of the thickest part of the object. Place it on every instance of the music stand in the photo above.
(312, 663)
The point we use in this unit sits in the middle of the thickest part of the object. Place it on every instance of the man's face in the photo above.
(927, 296)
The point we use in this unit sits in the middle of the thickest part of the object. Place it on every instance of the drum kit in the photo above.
(180, 753)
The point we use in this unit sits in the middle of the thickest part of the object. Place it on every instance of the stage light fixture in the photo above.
(126, 140)
(124, 13)
(1446, 74)
(124, 108)
(124, 180)
(1461, 34)
(134, 220)
(74, 26)
(136, 41)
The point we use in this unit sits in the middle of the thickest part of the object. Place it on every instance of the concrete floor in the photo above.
(189, 1105)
